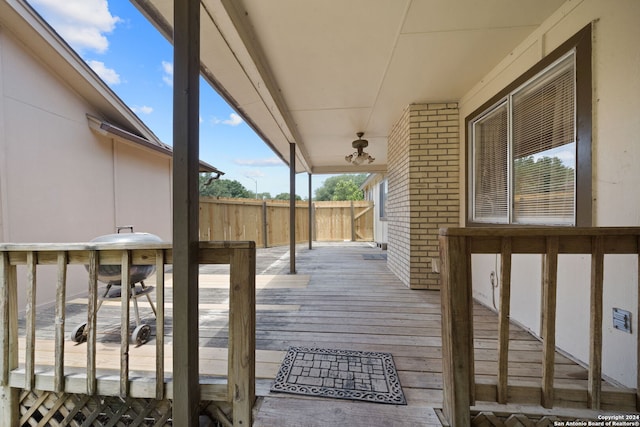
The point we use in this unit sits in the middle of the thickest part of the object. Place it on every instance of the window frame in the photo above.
(382, 196)
(580, 43)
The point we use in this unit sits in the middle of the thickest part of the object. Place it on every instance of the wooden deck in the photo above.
(339, 300)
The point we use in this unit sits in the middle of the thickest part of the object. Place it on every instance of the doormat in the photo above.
(341, 374)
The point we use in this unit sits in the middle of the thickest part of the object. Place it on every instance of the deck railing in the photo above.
(239, 385)
(456, 247)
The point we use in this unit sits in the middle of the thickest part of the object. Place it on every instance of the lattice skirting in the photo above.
(43, 408)
(490, 419)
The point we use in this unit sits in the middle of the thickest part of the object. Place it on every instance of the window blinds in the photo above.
(524, 153)
(544, 148)
(490, 167)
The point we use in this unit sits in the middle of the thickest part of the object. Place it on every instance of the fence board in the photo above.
(267, 222)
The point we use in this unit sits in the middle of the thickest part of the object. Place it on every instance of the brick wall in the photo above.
(398, 206)
(423, 169)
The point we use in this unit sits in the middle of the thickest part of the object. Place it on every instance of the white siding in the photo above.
(372, 193)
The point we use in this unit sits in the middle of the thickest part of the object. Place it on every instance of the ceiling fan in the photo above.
(359, 156)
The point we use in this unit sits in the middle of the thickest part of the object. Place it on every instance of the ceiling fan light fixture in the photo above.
(359, 156)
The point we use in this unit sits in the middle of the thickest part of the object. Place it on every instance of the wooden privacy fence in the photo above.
(456, 247)
(19, 375)
(267, 222)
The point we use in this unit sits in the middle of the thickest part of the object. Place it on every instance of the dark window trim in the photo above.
(581, 42)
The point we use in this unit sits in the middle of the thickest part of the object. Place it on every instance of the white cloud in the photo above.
(233, 120)
(167, 68)
(145, 109)
(271, 161)
(82, 23)
(109, 75)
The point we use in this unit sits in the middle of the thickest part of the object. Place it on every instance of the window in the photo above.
(528, 162)
(383, 199)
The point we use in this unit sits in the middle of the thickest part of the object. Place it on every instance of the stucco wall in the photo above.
(59, 181)
(616, 177)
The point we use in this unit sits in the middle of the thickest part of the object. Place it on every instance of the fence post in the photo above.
(265, 224)
(457, 331)
(353, 223)
(315, 222)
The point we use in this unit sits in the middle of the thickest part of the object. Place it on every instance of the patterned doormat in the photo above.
(341, 374)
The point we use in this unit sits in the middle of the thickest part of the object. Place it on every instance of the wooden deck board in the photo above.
(337, 300)
(316, 413)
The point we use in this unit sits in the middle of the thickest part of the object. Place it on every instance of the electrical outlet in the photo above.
(622, 320)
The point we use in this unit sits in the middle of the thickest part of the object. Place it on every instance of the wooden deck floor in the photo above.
(339, 300)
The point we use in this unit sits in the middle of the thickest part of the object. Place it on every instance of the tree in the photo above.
(545, 174)
(347, 190)
(223, 188)
(341, 187)
(286, 196)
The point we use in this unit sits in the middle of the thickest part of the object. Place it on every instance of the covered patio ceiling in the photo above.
(314, 73)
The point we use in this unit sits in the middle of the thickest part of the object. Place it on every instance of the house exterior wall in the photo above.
(399, 208)
(61, 182)
(143, 190)
(615, 179)
(371, 189)
(424, 187)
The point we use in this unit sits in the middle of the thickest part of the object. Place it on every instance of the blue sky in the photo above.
(137, 63)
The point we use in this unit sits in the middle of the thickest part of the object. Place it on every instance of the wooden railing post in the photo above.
(457, 332)
(30, 352)
(92, 311)
(160, 324)
(125, 292)
(638, 329)
(60, 310)
(549, 320)
(242, 335)
(594, 385)
(503, 320)
(8, 341)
